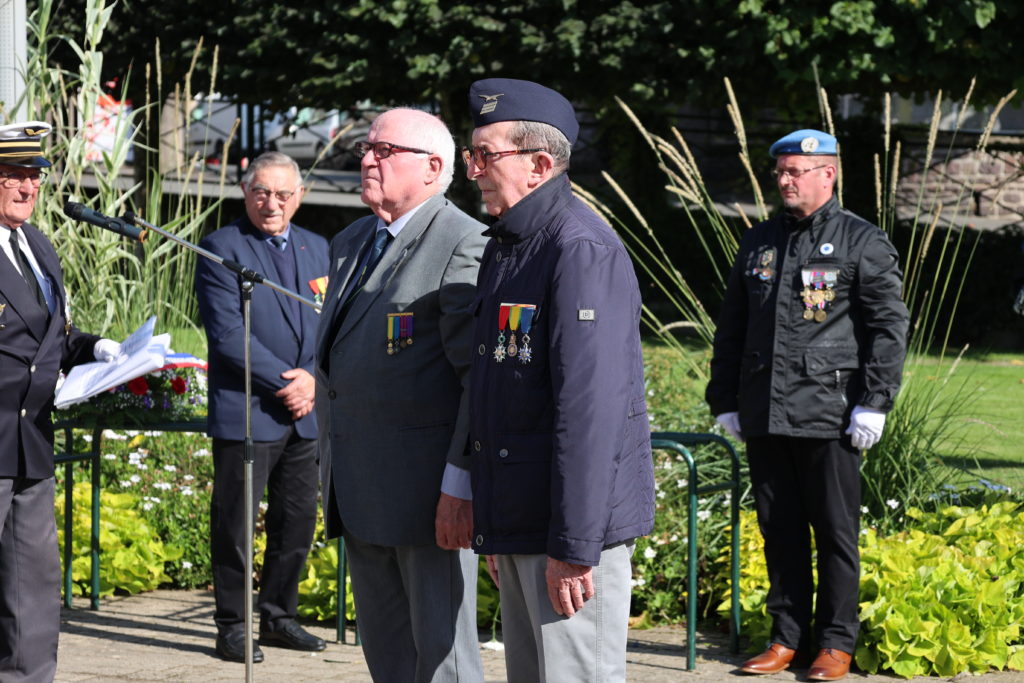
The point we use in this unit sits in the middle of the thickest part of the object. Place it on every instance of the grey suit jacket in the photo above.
(395, 420)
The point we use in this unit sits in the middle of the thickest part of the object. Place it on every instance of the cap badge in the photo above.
(808, 145)
(490, 102)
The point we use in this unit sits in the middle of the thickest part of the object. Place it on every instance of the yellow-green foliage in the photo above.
(318, 592)
(132, 555)
(940, 599)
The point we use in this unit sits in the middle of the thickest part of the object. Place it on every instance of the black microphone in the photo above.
(81, 212)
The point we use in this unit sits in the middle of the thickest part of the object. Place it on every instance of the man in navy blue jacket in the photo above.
(284, 429)
(562, 479)
(37, 341)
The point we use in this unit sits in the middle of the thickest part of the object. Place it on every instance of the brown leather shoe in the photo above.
(773, 660)
(830, 665)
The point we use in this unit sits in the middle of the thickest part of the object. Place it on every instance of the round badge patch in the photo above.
(826, 249)
(808, 145)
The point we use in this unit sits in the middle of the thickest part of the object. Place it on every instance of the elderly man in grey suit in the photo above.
(394, 349)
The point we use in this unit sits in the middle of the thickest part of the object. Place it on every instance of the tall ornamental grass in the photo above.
(114, 285)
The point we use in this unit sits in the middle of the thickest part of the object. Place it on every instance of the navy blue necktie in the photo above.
(380, 243)
(26, 270)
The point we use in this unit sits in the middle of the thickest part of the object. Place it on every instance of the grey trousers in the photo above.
(29, 581)
(416, 612)
(542, 646)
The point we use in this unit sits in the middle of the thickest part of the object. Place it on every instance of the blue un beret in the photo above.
(507, 99)
(807, 142)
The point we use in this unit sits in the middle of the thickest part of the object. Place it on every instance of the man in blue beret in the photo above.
(808, 357)
(37, 342)
(562, 479)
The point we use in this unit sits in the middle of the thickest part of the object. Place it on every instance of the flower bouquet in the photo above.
(175, 392)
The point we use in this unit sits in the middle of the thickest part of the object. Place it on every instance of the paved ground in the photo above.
(169, 636)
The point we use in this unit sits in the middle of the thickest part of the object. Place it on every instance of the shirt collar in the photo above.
(529, 214)
(396, 225)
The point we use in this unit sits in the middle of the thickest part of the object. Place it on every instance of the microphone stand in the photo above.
(249, 278)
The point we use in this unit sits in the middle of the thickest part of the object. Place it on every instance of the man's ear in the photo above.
(434, 168)
(542, 168)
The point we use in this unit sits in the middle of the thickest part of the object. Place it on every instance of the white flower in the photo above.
(111, 434)
(650, 392)
(162, 485)
(124, 483)
(142, 466)
(186, 490)
(863, 509)
(637, 582)
(661, 494)
(87, 438)
(109, 456)
(153, 433)
(200, 453)
(703, 515)
(132, 432)
(681, 483)
(135, 479)
(674, 537)
(892, 503)
(170, 468)
(147, 506)
(185, 564)
(188, 477)
(650, 553)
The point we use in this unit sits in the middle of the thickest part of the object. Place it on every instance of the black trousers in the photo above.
(287, 469)
(802, 484)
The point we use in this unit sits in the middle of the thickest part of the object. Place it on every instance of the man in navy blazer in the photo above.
(284, 429)
(37, 341)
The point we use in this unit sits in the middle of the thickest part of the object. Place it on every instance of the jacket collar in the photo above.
(824, 213)
(530, 213)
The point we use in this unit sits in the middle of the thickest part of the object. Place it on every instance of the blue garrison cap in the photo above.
(507, 99)
(808, 142)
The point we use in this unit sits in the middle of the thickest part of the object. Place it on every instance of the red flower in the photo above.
(138, 386)
(178, 384)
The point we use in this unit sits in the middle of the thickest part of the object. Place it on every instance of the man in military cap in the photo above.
(37, 341)
(562, 479)
(807, 361)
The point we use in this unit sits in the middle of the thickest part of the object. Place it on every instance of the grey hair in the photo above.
(268, 159)
(532, 134)
(429, 132)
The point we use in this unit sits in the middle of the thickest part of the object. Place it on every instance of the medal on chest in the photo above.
(518, 318)
(818, 292)
(399, 331)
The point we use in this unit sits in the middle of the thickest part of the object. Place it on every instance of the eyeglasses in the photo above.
(262, 194)
(382, 150)
(13, 179)
(479, 156)
(794, 173)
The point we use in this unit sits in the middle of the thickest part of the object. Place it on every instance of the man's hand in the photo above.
(106, 350)
(492, 569)
(299, 393)
(453, 523)
(866, 425)
(731, 423)
(569, 585)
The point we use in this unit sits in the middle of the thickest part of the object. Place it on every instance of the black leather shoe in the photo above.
(289, 634)
(231, 646)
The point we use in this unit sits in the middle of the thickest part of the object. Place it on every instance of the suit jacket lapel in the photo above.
(391, 262)
(16, 291)
(345, 252)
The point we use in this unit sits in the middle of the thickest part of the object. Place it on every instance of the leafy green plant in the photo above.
(318, 592)
(944, 597)
(134, 556)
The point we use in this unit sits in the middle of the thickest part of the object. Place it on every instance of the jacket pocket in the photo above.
(822, 393)
(522, 486)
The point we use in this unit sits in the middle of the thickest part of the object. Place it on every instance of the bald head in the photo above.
(403, 179)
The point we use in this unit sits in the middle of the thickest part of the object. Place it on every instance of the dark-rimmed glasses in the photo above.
(382, 150)
(480, 156)
(262, 194)
(794, 173)
(14, 179)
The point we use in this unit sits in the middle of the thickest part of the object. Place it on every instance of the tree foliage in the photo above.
(654, 55)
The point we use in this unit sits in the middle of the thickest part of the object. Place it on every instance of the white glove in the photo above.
(106, 350)
(731, 423)
(866, 425)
